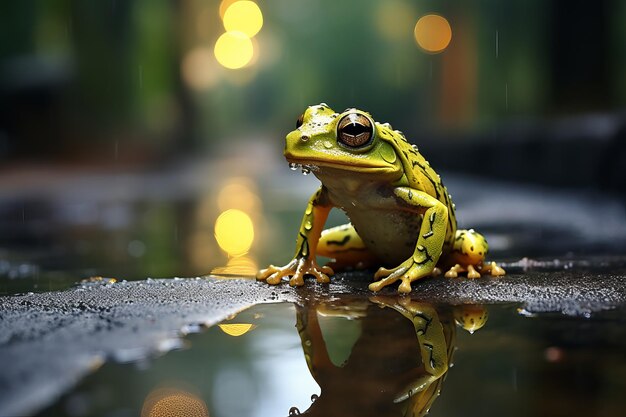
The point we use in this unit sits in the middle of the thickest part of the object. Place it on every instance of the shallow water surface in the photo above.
(382, 355)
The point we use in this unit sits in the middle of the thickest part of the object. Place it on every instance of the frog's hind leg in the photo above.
(468, 255)
(345, 247)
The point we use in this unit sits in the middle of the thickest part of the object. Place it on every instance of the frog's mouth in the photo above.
(315, 165)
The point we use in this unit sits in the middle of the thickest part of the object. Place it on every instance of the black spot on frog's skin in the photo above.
(304, 248)
(341, 242)
(410, 195)
(472, 248)
(428, 320)
(427, 256)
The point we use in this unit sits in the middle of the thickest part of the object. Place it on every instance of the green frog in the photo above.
(401, 215)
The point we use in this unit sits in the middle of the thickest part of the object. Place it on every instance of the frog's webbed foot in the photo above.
(473, 272)
(453, 272)
(407, 272)
(493, 269)
(297, 269)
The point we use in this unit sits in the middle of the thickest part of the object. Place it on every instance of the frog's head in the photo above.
(345, 141)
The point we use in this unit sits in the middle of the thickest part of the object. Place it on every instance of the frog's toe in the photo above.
(454, 271)
(269, 274)
(451, 274)
(309, 267)
(274, 279)
(405, 287)
(273, 275)
(472, 273)
(386, 277)
(321, 275)
(497, 271)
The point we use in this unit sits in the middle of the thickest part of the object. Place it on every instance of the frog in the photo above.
(402, 217)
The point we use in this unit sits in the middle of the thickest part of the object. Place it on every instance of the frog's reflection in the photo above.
(397, 363)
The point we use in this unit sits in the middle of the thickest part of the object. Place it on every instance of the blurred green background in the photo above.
(128, 127)
(139, 80)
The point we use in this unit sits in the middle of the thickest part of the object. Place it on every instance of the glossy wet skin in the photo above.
(401, 213)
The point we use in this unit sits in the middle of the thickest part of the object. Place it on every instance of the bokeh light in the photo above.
(234, 232)
(233, 50)
(236, 329)
(166, 402)
(238, 193)
(224, 5)
(243, 16)
(394, 19)
(237, 267)
(197, 69)
(433, 33)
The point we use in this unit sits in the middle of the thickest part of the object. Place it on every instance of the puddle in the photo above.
(383, 356)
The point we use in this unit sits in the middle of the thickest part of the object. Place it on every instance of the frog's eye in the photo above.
(300, 121)
(355, 130)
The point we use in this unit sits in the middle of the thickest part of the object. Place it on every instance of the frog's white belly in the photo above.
(391, 235)
(388, 231)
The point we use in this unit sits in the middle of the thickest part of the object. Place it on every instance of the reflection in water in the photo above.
(237, 267)
(236, 329)
(239, 204)
(170, 402)
(396, 362)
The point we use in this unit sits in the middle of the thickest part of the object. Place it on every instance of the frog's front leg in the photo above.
(429, 243)
(304, 262)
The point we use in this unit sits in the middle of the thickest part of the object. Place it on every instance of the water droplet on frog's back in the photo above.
(293, 411)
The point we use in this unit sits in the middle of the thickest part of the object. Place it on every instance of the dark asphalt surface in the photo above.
(49, 341)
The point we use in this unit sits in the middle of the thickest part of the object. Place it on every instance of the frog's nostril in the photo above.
(304, 138)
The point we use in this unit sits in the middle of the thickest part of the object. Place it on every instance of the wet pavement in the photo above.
(49, 341)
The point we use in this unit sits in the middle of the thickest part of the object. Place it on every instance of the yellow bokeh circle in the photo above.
(234, 232)
(236, 329)
(233, 50)
(243, 16)
(433, 33)
(224, 5)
